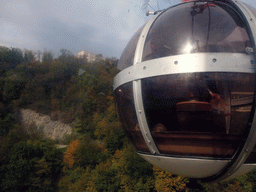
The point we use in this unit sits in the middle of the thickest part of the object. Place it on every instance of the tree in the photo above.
(134, 172)
(9, 58)
(64, 53)
(4, 65)
(14, 57)
(4, 51)
(6, 123)
(108, 129)
(32, 166)
(166, 181)
(47, 57)
(105, 177)
(77, 180)
(13, 88)
(29, 56)
(89, 153)
(252, 178)
(69, 157)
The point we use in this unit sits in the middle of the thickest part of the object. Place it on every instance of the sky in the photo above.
(99, 26)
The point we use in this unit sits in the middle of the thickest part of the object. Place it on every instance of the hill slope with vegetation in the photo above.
(98, 157)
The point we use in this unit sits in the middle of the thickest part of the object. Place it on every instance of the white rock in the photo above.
(52, 129)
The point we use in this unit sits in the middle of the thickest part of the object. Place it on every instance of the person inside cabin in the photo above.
(157, 47)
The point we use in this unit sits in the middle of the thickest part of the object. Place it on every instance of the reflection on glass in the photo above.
(198, 114)
(188, 48)
(196, 27)
(127, 56)
(127, 115)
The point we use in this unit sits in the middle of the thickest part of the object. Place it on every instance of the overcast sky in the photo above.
(99, 26)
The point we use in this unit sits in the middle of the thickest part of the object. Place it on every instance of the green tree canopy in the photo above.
(32, 166)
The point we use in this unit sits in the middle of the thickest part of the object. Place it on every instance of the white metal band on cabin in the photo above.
(188, 63)
(137, 92)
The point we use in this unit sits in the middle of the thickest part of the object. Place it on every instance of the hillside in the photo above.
(53, 98)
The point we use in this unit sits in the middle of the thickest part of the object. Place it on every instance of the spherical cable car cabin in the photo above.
(185, 89)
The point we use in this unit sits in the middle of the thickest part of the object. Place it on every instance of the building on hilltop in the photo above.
(90, 57)
(87, 55)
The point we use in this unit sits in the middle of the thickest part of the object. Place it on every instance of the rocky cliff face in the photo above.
(51, 129)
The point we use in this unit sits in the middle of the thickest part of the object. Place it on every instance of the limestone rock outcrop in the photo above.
(52, 129)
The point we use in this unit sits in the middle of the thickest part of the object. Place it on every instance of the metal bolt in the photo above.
(175, 62)
(144, 68)
(251, 61)
(214, 60)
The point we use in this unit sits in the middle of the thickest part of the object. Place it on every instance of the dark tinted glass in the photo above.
(196, 27)
(252, 157)
(127, 115)
(127, 56)
(198, 114)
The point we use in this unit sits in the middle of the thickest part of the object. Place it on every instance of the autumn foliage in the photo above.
(165, 181)
(69, 157)
(99, 156)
